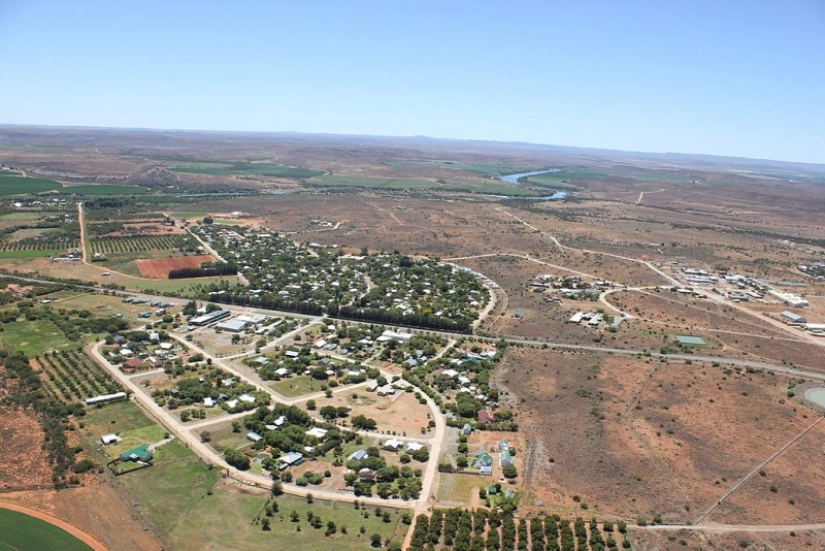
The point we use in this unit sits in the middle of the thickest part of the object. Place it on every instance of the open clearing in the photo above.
(33, 337)
(159, 268)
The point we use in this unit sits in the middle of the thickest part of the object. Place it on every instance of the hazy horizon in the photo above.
(728, 79)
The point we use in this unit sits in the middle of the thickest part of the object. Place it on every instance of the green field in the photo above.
(20, 216)
(30, 254)
(19, 532)
(104, 189)
(489, 188)
(297, 386)
(479, 169)
(246, 169)
(33, 337)
(370, 183)
(15, 184)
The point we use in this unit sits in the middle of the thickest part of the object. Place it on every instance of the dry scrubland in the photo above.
(639, 437)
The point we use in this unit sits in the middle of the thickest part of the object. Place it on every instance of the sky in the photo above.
(721, 77)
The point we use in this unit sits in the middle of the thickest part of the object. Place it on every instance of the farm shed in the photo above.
(108, 439)
(689, 340)
(790, 317)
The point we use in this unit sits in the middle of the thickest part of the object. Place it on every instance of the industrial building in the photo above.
(792, 318)
(206, 319)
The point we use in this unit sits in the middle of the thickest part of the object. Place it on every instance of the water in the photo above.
(817, 396)
(514, 179)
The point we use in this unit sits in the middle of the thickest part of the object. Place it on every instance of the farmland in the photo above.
(369, 183)
(21, 532)
(246, 169)
(15, 184)
(34, 337)
(160, 267)
(72, 376)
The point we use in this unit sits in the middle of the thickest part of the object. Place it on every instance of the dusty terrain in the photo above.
(159, 268)
(23, 465)
(638, 437)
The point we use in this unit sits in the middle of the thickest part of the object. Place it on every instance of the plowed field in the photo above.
(159, 268)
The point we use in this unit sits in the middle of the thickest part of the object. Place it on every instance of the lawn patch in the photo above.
(21, 532)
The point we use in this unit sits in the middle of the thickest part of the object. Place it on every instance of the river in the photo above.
(514, 179)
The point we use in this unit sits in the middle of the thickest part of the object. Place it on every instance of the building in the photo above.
(413, 447)
(792, 318)
(104, 398)
(211, 317)
(392, 445)
(789, 298)
(357, 456)
(317, 432)
(254, 436)
(132, 363)
(485, 416)
(467, 429)
(233, 325)
(484, 463)
(140, 453)
(108, 439)
(290, 459)
(689, 340)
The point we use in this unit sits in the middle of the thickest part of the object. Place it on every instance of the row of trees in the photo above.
(465, 530)
(207, 269)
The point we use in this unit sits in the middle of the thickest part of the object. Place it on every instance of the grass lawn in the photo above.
(149, 434)
(224, 521)
(21, 216)
(223, 438)
(371, 183)
(19, 532)
(31, 254)
(34, 337)
(104, 189)
(15, 184)
(117, 417)
(458, 488)
(173, 487)
(297, 386)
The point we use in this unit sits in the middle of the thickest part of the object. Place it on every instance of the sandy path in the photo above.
(76, 532)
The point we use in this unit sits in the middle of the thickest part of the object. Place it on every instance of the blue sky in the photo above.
(744, 78)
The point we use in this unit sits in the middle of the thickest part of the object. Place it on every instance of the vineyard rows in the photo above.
(131, 244)
(73, 376)
(39, 245)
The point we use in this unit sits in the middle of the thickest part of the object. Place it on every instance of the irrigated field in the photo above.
(20, 532)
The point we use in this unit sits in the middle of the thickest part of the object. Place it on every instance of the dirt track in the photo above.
(82, 536)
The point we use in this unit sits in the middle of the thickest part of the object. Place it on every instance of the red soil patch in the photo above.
(159, 268)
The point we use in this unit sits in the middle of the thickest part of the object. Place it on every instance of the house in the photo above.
(167, 345)
(140, 453)
(246, 398)
(282, 372)
(385, 390)
(357, 456)
(132, 363)
(392, 445)
(484, 463)
(208, 402)
(485, 416)
(372, 386)
(126, 353)
(232, 404)
(254, 436)
(291, 353)
(451, 373)
(108, 439)
(317, 432)
(467, 429)
(413, 447)
(290, 459)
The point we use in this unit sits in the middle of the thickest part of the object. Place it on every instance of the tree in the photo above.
(329, 412)
(277, 488)
(509, 471)
(206, 436)
(207, 220)
(237, 459)
(311, 405)
(375, 540)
